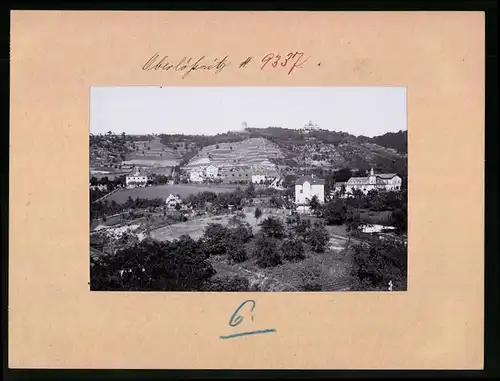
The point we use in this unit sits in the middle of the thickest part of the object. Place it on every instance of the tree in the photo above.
(378, 262)
(318, 237)
(238, 254)
(257, 214)
(293, 249)
(399, 220)
(273, 227)
(217, 240)
(267, 252)
(250, 190)
(315, 206)
(153, 266)
(342, 175)
(241, 232)
(302, 229)
(335, 212)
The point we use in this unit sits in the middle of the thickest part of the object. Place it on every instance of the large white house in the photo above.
(306, 187)
(211, 171)
(374, 181)
(139, 178)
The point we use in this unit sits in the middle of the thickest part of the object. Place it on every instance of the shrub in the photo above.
(217, 239)
(399, 220)
(258, 213)
(335, 212)
(310, 275)
(302, 229)
(293, 250)
(273, 227)
(242, 232)
(318, 238)
(237, 254)
(153, 266)
(378, 261)
(228, 284)
(267, 252)
(311, 287)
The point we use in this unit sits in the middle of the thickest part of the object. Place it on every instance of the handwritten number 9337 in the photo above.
(291, 60)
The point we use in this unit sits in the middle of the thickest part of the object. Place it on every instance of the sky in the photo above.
(368, 111)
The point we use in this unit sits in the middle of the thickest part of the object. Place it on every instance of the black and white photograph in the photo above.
(229, 189)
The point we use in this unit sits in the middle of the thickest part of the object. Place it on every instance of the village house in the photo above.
(211, 171)
(196, 176)
(139, 177)
(375, 181)
(173, 200)
(100, 187)
(306, 187)
(237, 174)
(277, 183)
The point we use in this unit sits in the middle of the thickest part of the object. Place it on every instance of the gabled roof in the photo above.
(139, 173)
(313, 180)
(386, 175)
(363, 181)
(358, 180)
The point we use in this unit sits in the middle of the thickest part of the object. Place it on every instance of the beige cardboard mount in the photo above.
(56, 322)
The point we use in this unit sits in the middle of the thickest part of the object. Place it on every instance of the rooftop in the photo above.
(314, 180)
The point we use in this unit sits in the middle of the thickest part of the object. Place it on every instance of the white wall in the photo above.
(136, 179)
(256, 179)
(308, 192)
(196, 177)
(211, 171)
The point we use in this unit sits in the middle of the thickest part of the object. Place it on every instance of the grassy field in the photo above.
(162, 191)
(330, 269)
(196, 227)
(381, 218)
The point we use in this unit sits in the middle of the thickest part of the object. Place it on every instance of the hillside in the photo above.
(395, 140)
(252, 152)
(270, 147)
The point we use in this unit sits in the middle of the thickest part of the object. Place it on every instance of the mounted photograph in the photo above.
(228, 189)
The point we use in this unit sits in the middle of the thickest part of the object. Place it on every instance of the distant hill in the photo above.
(396, 140)
(295, 148)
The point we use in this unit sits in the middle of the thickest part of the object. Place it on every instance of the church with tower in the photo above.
(374, 181)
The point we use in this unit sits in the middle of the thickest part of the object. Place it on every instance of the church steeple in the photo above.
(372, 179)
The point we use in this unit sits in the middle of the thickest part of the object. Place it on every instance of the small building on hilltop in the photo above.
(374, 181)
(139, 177)
(306, 187)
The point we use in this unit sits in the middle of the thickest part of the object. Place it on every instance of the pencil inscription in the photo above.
(289, 61)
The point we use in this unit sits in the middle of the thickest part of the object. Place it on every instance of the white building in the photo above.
(196, 176)
(306, 187)
(211, 171)
(375, 181)
(277, 183)
(172, 201)
(138, 177)
(257, 179)
(310, 127)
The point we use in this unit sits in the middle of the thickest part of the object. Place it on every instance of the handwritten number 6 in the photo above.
(237, 319)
